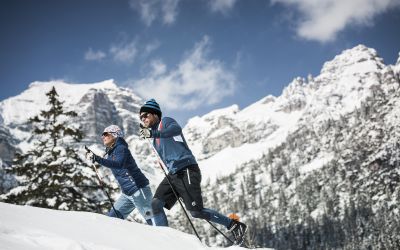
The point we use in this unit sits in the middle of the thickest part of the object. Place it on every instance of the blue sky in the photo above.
(193, 56)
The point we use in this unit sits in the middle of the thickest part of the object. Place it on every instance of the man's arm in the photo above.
(170, 129)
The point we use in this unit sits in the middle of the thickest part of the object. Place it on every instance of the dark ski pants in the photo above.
(186, 184)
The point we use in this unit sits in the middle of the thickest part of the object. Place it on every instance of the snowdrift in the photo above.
(24, 227)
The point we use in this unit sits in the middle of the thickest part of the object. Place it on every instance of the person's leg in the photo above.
(159, 218)
(237, 228)
(190, 180)
(142, 200)
(163, 197)
(124, 207)
(213, 216)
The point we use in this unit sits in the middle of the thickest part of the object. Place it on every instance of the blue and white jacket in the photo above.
(119, 159)
(171, 145)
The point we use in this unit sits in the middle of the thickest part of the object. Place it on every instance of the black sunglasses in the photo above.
(105, 134)
(144, 116)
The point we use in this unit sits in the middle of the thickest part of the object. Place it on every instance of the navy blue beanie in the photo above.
(151, 106)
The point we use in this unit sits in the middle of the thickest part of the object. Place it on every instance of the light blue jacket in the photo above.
(171, 145)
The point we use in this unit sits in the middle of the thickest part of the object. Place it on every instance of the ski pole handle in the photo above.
(103, 187)
(93, 165)
(87, 150)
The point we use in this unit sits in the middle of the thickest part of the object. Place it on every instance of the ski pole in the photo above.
(161, 164)
(102, 185)
(219, 231)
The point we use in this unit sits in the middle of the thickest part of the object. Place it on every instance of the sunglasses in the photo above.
(144, 116)
(105, 134)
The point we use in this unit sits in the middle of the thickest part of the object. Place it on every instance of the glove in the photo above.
(144, 133)
(91, 156)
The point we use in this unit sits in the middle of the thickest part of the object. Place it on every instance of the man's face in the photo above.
(148, 119)
(108, 139)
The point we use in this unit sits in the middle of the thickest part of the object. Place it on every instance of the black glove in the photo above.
(91, 156)
(144, 132)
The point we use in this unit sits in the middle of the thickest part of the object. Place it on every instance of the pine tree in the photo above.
(52, 174)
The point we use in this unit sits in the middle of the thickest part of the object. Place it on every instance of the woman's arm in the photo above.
(119, 160)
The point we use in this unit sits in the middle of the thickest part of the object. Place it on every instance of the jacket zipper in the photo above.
(143, 194)
(187, 170)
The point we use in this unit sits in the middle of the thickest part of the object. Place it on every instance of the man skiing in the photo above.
(183, 171)
(136, 192)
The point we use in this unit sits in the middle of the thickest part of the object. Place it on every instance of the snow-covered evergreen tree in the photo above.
(53, 174)
(7, 181)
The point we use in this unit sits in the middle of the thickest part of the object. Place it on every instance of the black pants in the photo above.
(186, 184)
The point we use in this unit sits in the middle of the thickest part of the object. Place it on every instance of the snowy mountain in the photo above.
(234, 136)
(316, 167)
(24, 227)
(98, 105)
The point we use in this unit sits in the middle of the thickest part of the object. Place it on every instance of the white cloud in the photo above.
(169, 10)
(124, 52)
(158, 68)
(92, 55)
(322, 20)
(150, 47)
(150, 10)
(222, 6)
(196, 81)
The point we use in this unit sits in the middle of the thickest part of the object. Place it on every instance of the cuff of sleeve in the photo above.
(155, 133)
(96, 158)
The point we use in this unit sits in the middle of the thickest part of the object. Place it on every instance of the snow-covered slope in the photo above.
(29, 228)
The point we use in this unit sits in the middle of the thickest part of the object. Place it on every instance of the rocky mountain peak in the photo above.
(358, 60)
(397, 66)
(294, 95)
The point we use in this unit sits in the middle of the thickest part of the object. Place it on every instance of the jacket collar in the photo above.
(119, 141)
(155, 126)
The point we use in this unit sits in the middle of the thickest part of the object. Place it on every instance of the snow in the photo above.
(223, 141)
(17, 109)
(344, 83)
(233, 109)
(202, 124)
(316, 163)
(25, 227)
(220, 132)
(228, 159)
